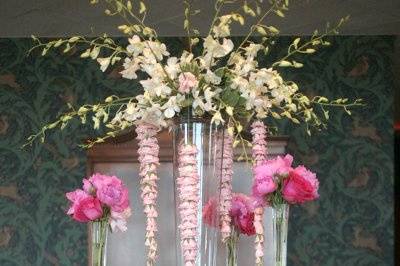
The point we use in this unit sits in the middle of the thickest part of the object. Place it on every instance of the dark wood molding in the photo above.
(123, 148)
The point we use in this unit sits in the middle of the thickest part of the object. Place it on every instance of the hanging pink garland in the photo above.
(259, 153)
(148, 157)
(226, 187)
(188, 191)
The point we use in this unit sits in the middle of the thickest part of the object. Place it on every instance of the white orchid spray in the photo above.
(223, 81)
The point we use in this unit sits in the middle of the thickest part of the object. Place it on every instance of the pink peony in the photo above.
(265, 175)
(109, 190)
(263, 185)
(242, 213)
(114, 194)
(300, 186)
(84, 207)
(187, 81)
(276, 166)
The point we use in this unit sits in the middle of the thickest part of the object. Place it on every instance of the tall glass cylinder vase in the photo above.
(280, 220)
(198, 147)
(99, 232)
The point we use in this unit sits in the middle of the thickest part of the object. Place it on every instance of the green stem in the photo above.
(231, 245)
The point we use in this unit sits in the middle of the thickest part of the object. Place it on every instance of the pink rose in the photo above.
(300, 186)
(209, 213)
(242, 213)
(84, 207)
(187, 81)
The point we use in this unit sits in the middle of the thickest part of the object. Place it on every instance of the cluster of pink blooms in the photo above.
(259, 154)
(226, 187)
(241, 213)
(148, 157)
(298, 185)
(188, 191)
(102, 196)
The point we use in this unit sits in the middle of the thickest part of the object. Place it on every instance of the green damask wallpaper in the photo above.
(352, 223)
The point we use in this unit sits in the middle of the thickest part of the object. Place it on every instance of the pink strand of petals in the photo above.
(148, 157)
(188, 191)
(259, 152)
(226, 187)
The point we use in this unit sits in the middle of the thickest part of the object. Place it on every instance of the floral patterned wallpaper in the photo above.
(352, 223)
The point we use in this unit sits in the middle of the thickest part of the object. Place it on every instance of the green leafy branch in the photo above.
(100, 113)
(94, 50)
(310, 46)
(127, 10)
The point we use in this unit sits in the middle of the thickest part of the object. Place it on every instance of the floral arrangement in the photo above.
(104, 201)
(241, 216)
(277, 182)
(214, 78)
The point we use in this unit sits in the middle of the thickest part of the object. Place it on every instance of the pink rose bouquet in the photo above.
(241, 213)
(277, 182)
(102, 198)
(104, 202)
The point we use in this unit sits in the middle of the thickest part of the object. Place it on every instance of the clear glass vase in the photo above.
(207, 139)
(232, 249)
(99, 232)
(280, 219)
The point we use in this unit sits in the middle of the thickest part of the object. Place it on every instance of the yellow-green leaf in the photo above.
(129, 5)
(285, 63)
(86, 53)
(280, 13)
(142, 7)
(58, 43)
(273, 30)
(296, 42)
(73, 39)
(261, 30)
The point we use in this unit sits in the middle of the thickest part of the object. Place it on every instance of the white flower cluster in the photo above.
(201, 83)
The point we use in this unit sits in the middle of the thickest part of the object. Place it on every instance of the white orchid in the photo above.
(213, 48)
(223, 28)
(172, 106)
(212, 78)
(131, 66)
(135, 46)
(155, 50)
(104, 63)
(172, 67)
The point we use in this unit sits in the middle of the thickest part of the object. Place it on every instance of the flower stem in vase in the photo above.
(280, 229)
(231, 245)
(99, 239)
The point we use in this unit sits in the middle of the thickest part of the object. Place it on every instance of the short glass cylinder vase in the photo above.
(280, 220)
(198, 146)
(99, 232)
